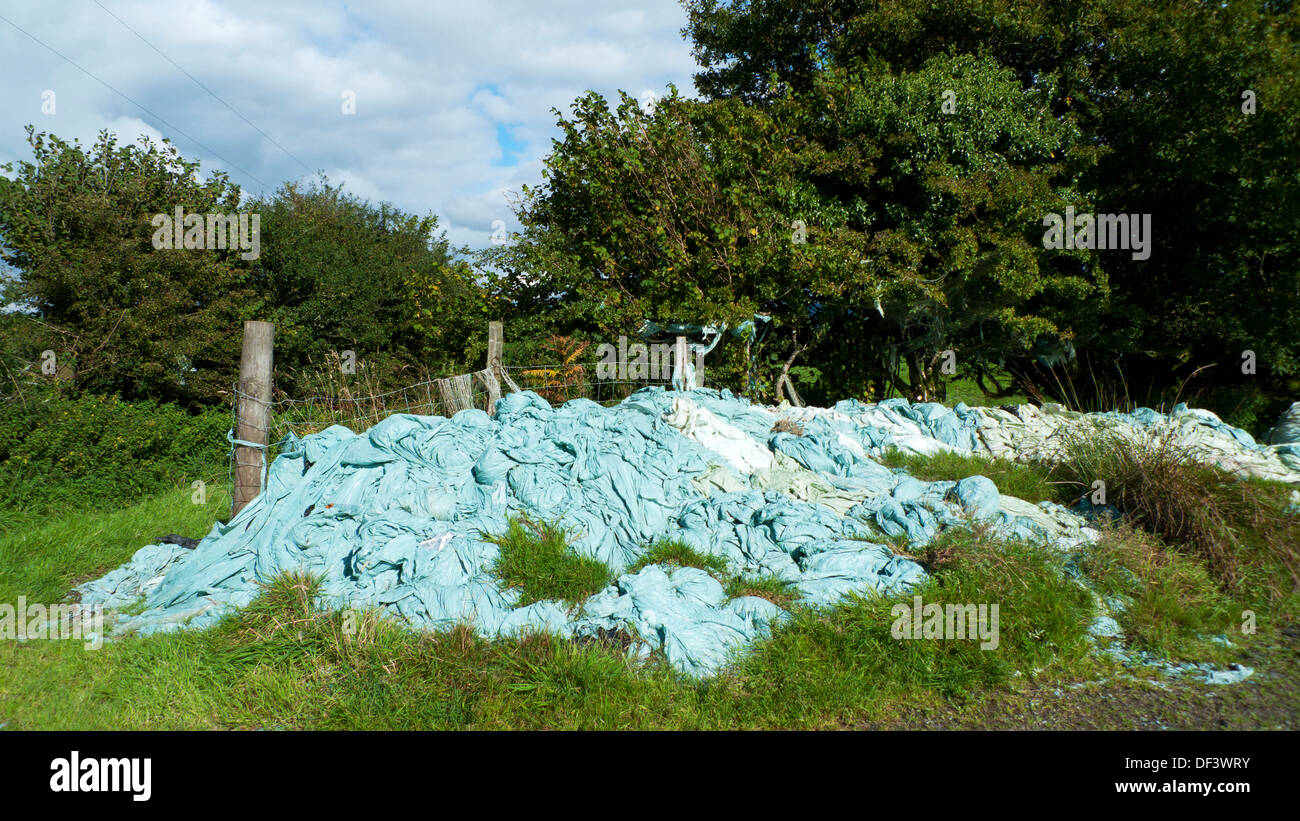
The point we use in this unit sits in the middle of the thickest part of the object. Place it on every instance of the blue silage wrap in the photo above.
(393, 518)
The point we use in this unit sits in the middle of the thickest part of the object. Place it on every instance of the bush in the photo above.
(99, 452)
(1159, 486)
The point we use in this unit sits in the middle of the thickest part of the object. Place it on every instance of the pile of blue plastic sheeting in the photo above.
(1030, 432)
(394, 517)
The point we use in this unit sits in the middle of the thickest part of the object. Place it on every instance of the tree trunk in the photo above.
(783, 383)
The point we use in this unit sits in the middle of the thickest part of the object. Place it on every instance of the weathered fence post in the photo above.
(680, 380)
(490, 380)
(252, 411)
(496, 345)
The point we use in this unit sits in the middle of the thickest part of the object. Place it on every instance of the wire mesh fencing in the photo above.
(358, 410)
(556, 384)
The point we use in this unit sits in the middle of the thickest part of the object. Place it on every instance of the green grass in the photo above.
(44, 555)
(283, 663)
(965, 390)
(777, 591)
(1240, 530)
(676, 553)
(537, 561)
(1173, 606)
(1033, 483)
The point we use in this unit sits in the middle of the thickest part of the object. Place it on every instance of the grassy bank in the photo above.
(284, 663)
(834, 668)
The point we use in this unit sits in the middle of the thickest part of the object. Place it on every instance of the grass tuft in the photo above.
(537, 561)
(777, 591)
(1030, 482)
(679, 554)
(1237, 527)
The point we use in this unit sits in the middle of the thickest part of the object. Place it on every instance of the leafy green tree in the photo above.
(123, 316)
(942, 176)
(1158, 89)
(339, 273)
(120, 315)
(877, 229)
(670, 216)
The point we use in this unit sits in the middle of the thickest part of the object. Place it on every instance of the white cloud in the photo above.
(433, 81)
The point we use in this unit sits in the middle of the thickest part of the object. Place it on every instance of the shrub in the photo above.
(99, 452)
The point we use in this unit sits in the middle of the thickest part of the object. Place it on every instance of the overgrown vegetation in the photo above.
(1031, 482)
(536, 559)
(98, 453)
(283, 663)
(1239, 528)
(1170, 604)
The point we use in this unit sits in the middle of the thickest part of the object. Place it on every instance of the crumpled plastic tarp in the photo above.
(1024, 432)
(394, 517)
(1284, 437)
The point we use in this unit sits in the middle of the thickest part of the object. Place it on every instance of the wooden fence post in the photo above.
(490, 380)
(252, 412)
(496, 344)
(679, 369)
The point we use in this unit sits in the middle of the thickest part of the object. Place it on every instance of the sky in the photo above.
(452, 100)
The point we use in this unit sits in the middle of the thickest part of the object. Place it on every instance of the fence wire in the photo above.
(298, 417)
(556, 383)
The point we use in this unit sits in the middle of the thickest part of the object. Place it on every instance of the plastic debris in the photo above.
(394, 517)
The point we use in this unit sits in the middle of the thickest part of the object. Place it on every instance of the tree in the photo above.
(124, 316)
(673, 216)
(339, 273)
(943, 175)
(1159, 89)
(876, 229)
(120, 315)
